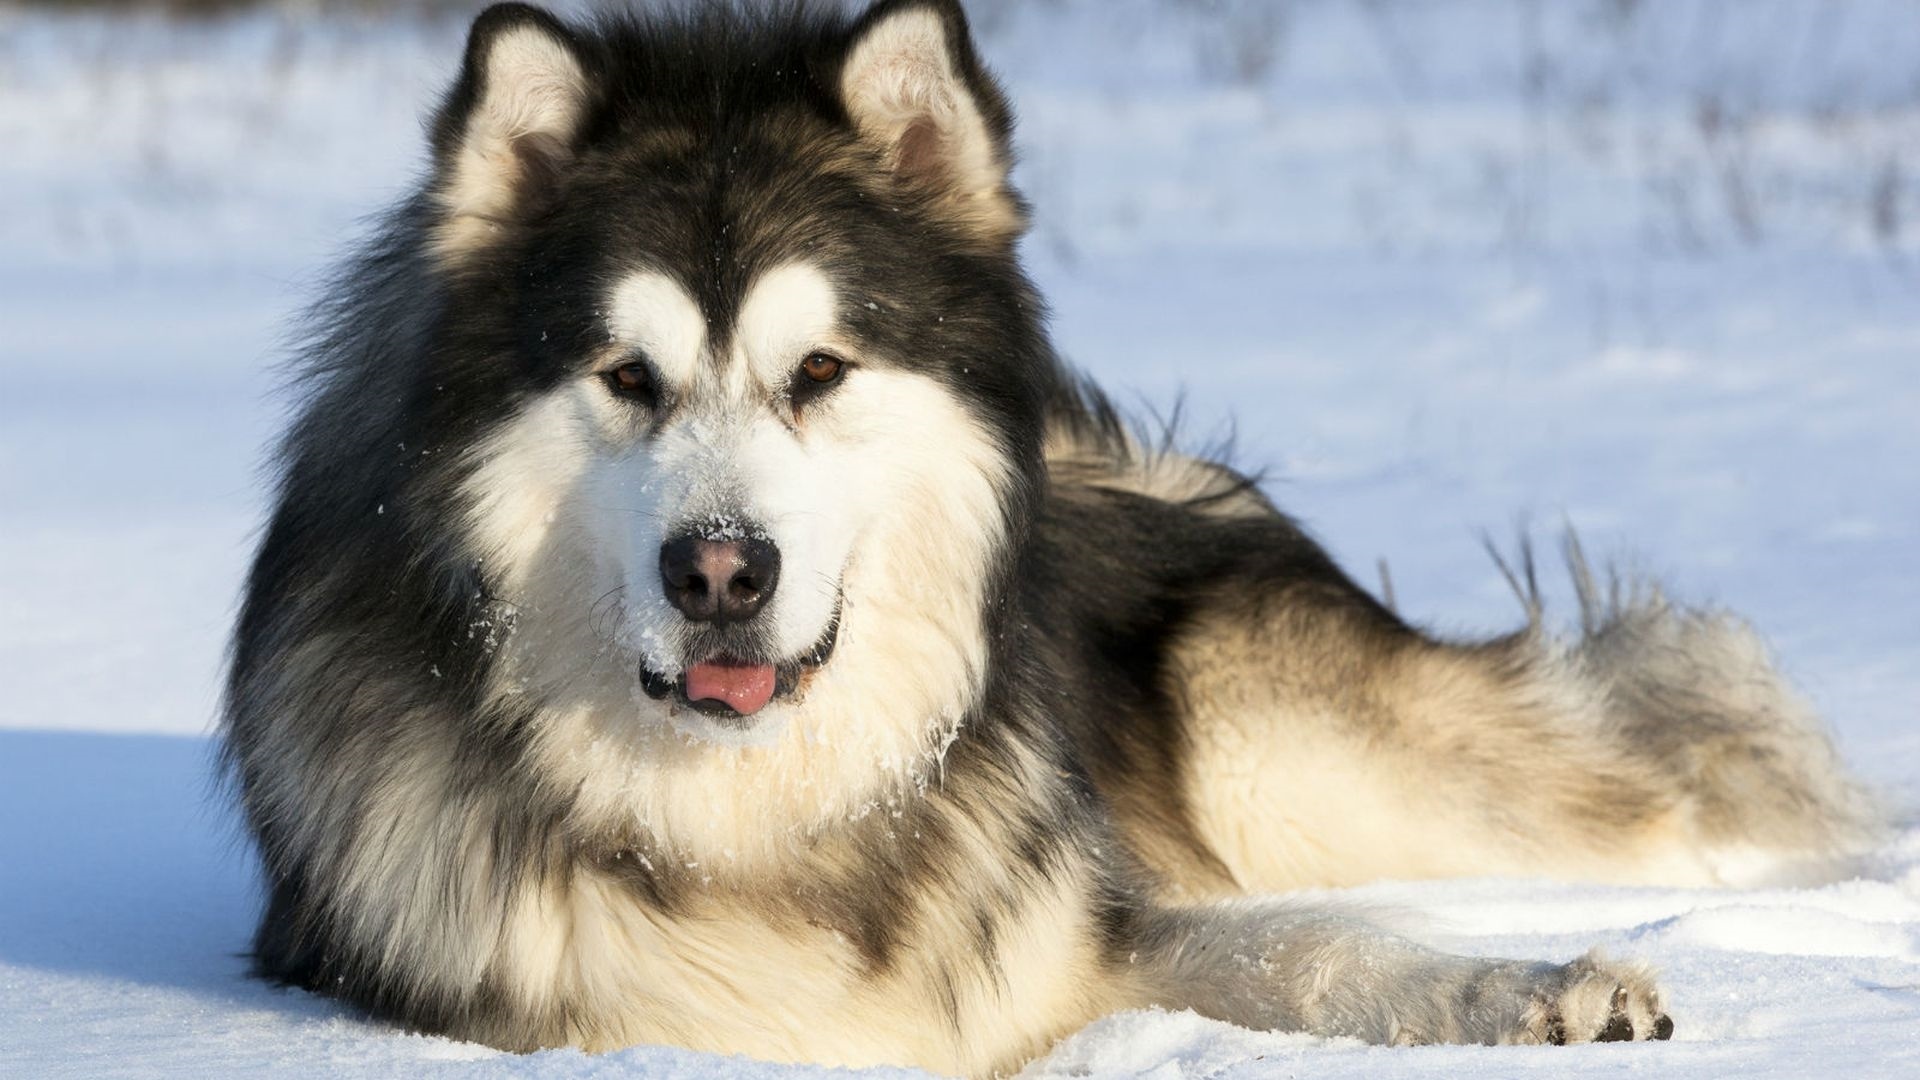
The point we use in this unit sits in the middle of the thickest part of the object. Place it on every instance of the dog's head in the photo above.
(770, 378)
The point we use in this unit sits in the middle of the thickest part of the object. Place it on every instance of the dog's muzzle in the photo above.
(721, 577)
(730, 689)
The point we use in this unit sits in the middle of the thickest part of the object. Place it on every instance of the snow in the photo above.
(1648, 269)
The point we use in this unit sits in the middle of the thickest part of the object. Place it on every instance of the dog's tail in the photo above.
(1693, 698)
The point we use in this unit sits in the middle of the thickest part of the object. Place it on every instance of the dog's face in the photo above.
(772, 374)
(718, 495)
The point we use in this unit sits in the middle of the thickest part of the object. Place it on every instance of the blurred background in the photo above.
(1444, 268)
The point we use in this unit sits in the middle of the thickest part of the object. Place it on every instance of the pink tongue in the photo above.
(747, 688)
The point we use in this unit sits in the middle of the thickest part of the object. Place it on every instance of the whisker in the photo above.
(593, 611)
(633, 510)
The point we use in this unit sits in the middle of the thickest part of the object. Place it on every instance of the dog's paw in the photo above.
(1596, 1000)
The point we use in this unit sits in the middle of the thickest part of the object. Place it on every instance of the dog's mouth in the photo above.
(731, 688)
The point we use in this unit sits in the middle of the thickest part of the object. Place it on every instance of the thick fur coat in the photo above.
(700, 608)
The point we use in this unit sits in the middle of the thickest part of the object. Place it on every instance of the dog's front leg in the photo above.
(1275, 966)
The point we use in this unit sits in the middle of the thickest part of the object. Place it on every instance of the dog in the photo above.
(700, 608)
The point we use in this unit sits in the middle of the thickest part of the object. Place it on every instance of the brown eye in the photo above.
(821, 368)
(634, 380)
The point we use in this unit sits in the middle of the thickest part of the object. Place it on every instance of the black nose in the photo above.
(718, 581)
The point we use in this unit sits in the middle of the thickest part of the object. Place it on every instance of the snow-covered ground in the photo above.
(1651, 269)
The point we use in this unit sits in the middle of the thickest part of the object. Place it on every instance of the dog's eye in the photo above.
(818, 373)
(632, 380)
(821, 368)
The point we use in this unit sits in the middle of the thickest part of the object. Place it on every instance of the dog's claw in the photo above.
(1596, 1000)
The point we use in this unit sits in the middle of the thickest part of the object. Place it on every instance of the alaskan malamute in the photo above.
(701, 609)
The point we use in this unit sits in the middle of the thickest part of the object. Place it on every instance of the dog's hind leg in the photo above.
(1327, 743)
(1277, 966)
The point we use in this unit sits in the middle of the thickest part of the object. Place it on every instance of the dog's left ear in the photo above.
(914, 87)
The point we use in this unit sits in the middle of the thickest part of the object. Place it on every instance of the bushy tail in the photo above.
(1694, 695)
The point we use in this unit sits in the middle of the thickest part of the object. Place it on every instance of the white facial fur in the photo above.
(728, 454)
(884, 495)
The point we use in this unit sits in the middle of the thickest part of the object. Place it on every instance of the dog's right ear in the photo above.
(509, 128)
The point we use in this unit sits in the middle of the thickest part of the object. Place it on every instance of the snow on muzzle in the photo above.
(721, 581)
